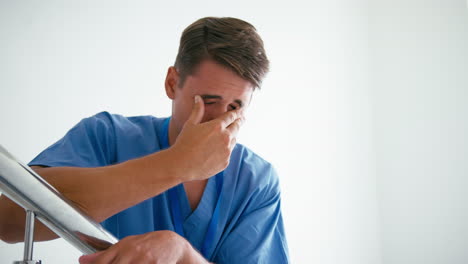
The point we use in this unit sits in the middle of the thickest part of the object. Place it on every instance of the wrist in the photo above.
(181, 164)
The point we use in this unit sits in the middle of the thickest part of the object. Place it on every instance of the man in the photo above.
(155, 183)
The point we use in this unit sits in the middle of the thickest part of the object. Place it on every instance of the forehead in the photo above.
(212, 78)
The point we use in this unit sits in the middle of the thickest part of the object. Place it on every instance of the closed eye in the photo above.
(210, 99)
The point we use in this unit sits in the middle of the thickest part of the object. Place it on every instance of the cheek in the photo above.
(186, 111)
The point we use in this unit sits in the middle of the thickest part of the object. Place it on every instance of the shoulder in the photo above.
(100, 122)
(117, 122)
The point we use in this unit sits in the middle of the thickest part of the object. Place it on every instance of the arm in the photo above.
(201, 150)
(97, 191)
(153, 247)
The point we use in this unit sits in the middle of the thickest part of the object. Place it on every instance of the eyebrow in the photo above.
(213, 96)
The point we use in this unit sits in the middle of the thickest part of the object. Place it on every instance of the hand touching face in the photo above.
(204, 149)
(220, 88)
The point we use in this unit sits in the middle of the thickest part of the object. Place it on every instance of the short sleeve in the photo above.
(258, 236)
(90, 143)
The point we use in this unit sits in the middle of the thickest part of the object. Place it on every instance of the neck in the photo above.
(172, 133)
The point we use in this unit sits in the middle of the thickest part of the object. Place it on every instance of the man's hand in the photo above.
(153, 247)
(205, 148)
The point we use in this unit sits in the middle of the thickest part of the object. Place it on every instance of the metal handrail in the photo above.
(26, 188)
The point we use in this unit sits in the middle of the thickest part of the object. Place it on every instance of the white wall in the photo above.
(65, 60)
(420, 84)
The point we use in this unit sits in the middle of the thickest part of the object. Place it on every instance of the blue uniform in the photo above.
(249, 224)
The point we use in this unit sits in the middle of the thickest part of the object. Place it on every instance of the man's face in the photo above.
(221, 90)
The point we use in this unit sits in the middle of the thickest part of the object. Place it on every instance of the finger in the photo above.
(228, 118)
(88, 259)
(232, 143)
(242, 111)
(107, 257)
(125, 257)
(198, 110)
(235, 126)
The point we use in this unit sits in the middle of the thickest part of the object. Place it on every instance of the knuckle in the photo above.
(225, 163)
(136, 248)
(233, 116)
(237, 125)
(147, 256)
(226, 140)
(218, 126)
(227, 152)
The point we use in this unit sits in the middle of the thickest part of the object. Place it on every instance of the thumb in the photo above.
(197, 111)
(88, 259)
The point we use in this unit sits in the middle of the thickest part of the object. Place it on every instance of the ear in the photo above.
(171, 83)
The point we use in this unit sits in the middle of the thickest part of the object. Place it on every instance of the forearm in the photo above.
(99, 192)
(104, 191)
(12, 223)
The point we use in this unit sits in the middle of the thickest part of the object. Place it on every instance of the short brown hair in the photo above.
(231, 42)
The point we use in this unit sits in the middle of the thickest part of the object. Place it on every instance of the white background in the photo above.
(363, 114)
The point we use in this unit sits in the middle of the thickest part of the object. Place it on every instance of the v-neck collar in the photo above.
(205, 207)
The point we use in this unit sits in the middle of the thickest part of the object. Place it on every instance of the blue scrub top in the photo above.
(250, 227)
